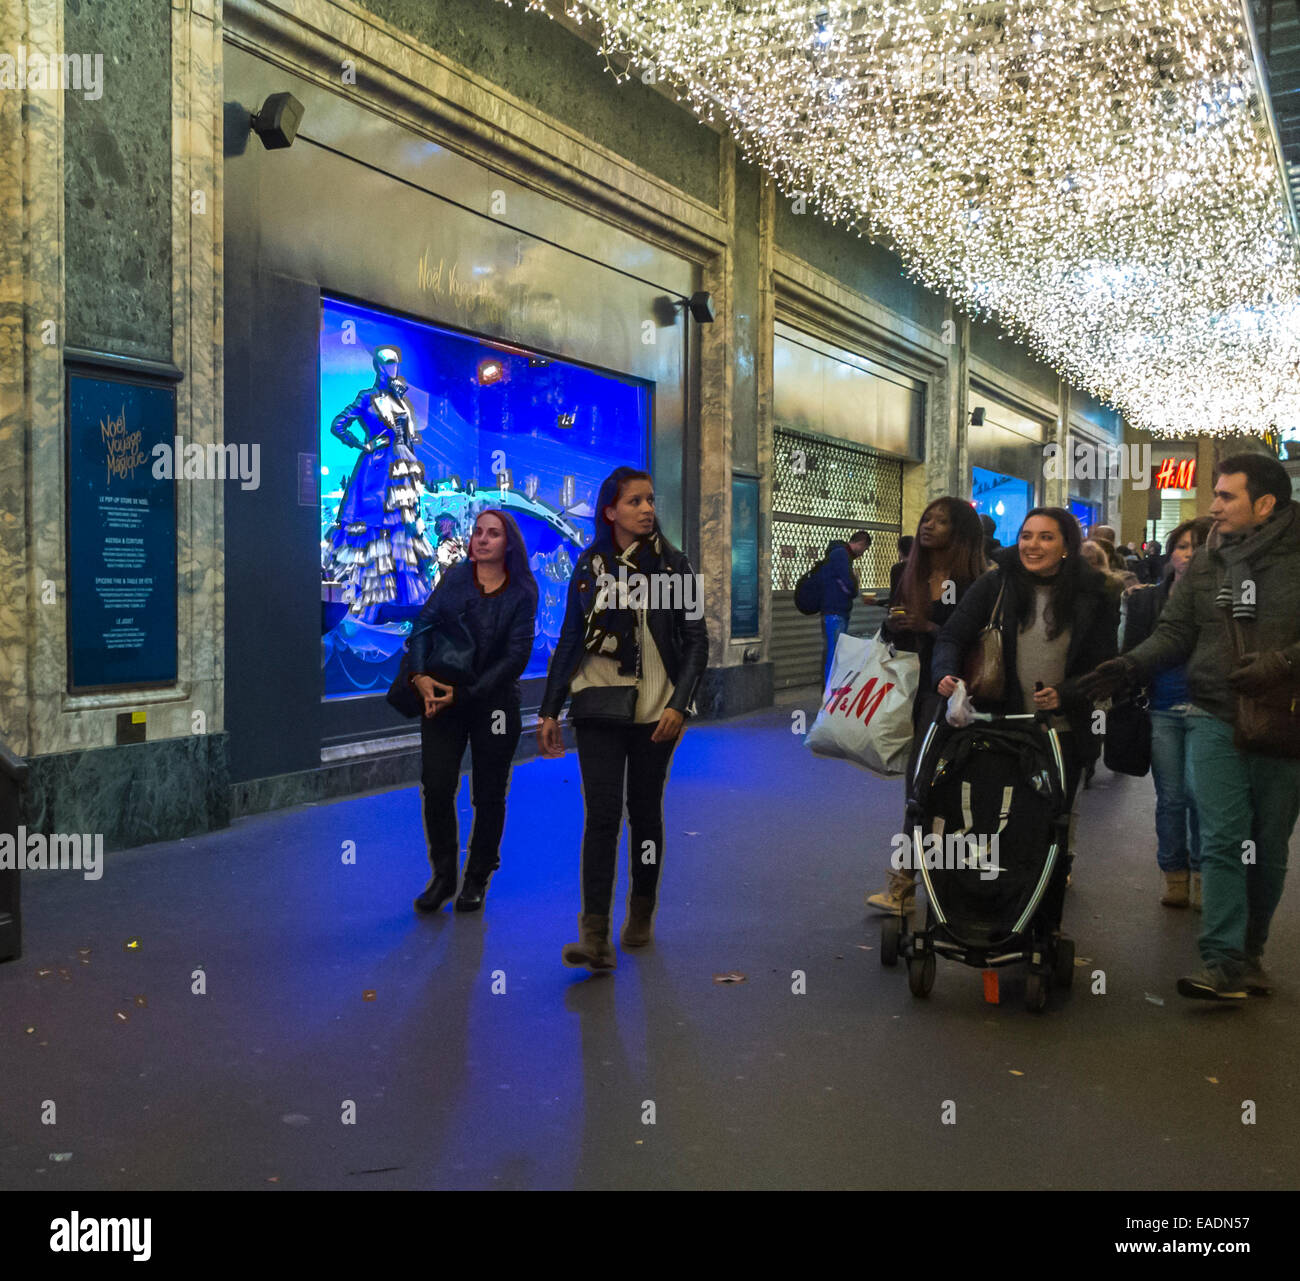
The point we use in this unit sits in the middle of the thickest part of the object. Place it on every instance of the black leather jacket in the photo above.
(683, 642)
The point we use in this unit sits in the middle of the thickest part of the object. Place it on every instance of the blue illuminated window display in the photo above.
(421, 429)
(1007, 499)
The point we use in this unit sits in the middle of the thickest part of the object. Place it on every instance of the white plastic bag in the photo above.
(866, 712)
(961, 711)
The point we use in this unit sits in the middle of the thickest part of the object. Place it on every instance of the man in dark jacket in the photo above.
(1246, 577)
(839, 590)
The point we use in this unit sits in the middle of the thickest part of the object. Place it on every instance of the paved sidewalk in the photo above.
(547, 1082)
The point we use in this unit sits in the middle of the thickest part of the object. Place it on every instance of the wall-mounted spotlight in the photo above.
(700, 305)
(977, 416)
(276, 124)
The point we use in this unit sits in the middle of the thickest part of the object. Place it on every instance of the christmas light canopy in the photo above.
(1098, 176)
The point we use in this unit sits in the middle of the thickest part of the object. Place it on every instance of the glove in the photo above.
(1258, 672)
(1107, 679)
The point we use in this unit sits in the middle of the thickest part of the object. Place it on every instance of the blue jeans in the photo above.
(1245, 829)
(1178, 831)
(832, 626)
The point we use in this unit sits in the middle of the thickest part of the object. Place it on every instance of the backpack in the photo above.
(808, 590)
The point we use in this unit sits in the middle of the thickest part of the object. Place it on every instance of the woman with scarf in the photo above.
(631, 654)
(1058, 621)
(494, 595)
(945, 558)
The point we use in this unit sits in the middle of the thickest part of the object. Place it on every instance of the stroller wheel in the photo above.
(889, 932)
(920, 973)
(1036, 985)
(1063, 965)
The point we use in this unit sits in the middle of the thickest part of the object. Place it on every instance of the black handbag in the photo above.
(449, 659)
(611, 704)
(1127, 748)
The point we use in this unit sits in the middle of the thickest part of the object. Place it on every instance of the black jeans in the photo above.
(443, 739)
(617, 760)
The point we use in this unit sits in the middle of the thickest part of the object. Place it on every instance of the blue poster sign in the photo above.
(744, 556)
(121, 534)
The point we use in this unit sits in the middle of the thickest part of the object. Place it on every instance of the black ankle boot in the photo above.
(436, 893)
(472, 893)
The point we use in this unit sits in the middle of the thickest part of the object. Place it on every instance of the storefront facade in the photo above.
(525, 232)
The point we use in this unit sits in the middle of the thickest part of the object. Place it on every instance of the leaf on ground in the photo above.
(1014, 1072)
(1213, 1080)
(733, 977)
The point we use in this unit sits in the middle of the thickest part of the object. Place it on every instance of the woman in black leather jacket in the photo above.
(495, 595)
(632, 649)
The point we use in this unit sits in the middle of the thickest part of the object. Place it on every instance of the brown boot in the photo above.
(1175, 894)
(898, 895)
(593, 948)
(1195, 895)
(640, 914)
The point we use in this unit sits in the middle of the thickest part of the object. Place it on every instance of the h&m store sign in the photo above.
(1176, 473)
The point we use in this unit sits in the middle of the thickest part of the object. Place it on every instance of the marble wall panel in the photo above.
(117, 171)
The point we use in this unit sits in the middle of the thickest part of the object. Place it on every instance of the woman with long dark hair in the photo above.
(631, 651)
(945, 558)
(494, 595)
(1057, 619)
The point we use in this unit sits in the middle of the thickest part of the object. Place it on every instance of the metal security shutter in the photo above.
(822, 490)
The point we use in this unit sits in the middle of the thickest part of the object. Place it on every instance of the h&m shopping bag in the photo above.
(866, 712)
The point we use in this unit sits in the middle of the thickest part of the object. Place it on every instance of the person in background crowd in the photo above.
(1058, 621)
(635, 670)
(947, 556)
(1113, 559)
(991, 544)
(496, 593)
(1095, 554)
(1153, 563)
(1178, 839)
(839, 590)
(1132, 561)
(1244, 582)
(1106, 532)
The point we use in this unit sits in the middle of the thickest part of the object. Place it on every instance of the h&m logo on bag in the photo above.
(867, 703)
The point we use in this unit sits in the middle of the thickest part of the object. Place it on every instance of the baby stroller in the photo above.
(988, 826)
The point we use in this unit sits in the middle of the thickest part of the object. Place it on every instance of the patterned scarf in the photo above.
(1238, 551)
(611, 623)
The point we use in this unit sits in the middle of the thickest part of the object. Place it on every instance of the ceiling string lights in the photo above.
(1097, 177)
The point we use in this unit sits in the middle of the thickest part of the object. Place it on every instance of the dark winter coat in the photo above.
(1093, 632)
(1194, 630)
(502, 624)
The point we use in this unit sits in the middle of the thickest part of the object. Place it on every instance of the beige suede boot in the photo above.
(1175, 894)
(1195, 895)
(898, 895)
